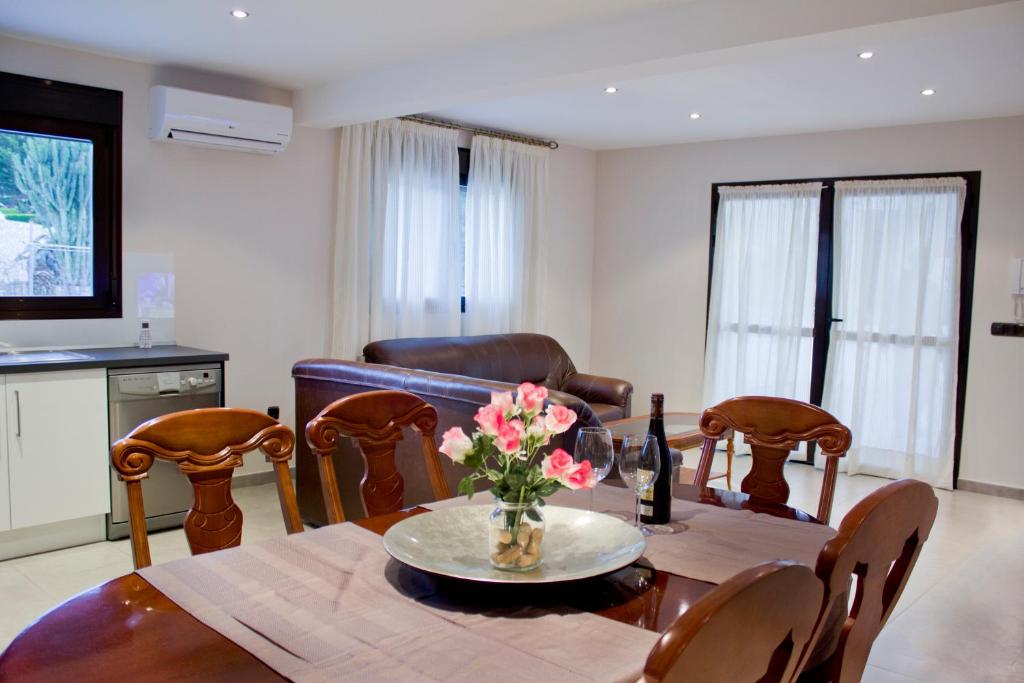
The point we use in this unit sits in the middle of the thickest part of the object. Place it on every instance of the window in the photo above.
(60, 203)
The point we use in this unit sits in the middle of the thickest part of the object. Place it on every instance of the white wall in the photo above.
(651, 258)
(250, 235)
(570, 224)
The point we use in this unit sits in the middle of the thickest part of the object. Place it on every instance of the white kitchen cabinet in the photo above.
(5, 497)
(57, 448)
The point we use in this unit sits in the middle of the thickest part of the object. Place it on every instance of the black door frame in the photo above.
(824, 282)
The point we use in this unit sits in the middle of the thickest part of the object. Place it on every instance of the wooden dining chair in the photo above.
(751, 628)
(773, 427)
(207, 444)
(877, 547)
(375, 419)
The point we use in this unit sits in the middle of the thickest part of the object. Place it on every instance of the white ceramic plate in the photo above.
(453, 542)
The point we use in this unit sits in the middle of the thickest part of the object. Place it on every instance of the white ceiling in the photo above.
(291, 43)
(973, 60)
(749, 67)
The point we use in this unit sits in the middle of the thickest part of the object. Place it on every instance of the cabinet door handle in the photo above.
(17, 409)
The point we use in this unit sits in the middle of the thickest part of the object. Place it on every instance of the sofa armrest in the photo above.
(597, 389)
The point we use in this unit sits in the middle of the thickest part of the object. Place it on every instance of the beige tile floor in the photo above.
(960, 619)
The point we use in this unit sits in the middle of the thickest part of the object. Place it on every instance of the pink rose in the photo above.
(490, 418)
(503, 401)
(530, 398)
(582, 476)
(538, 430)
(556, 464)
(456, 445)
(510, 436)
(559, 419)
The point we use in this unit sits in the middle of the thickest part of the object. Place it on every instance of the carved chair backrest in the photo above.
(877, 546)
(207, 444)
(773, 427)
(375, 419)
(752, 627)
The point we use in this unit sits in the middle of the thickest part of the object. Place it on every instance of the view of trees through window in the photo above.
(46, 216)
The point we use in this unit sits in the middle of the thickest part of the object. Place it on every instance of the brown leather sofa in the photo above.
(454, 374)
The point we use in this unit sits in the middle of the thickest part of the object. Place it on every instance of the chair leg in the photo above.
(828, 488)
(730, 450)
(329, 486)
(137, 525)
(286, 497)
(707, 455)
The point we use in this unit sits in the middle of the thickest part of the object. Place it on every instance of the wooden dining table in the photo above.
(126, 629)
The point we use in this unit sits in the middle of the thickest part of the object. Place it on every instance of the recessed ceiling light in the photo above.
(695, 115)
(927, 92)
(239, 13)
(866, 55)
(611, 90)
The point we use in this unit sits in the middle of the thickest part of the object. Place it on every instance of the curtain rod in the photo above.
(552, 144)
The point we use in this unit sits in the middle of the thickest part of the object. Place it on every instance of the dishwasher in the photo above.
(140, 394)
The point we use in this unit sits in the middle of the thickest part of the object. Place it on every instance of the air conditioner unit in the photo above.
(204, 120)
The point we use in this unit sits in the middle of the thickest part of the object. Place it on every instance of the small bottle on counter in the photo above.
(145, 336)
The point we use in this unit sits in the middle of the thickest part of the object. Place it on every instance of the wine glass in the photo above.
(639, 464)
(595, 444)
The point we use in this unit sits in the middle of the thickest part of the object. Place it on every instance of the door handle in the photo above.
(17, 409)
(836, 320)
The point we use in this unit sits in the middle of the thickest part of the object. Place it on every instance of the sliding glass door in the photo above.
(853, 294)
(891, 374)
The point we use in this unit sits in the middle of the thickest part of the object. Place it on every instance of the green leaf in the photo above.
(548, 488)
(515, 479)
(474, 459)
(466, 487)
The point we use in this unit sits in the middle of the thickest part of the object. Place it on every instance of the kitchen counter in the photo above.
(113, 357)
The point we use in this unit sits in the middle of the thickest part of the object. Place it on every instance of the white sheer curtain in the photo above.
(398, 251)
(761, 308)
(505, 211)
(892, 360)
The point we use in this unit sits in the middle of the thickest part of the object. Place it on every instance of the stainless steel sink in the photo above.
(41, 357)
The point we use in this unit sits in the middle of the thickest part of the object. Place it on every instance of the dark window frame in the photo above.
(824, 282)
(463, 182)
(37, 105)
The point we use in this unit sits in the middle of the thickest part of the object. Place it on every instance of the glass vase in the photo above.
(515, 536)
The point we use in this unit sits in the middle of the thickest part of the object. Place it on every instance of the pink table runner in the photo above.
(318, 606)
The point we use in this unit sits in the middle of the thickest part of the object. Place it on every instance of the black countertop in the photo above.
(115, 357)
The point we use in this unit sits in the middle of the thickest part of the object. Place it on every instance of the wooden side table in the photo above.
(682, 431)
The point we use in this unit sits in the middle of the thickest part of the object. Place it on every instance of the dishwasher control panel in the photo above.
(159, 382)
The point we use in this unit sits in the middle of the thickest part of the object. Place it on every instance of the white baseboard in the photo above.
(47, 537)
(67, 534)
(991, 489)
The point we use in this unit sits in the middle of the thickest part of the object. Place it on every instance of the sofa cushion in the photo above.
(510, 358)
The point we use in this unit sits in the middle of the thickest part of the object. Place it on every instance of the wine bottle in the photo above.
(656, 503)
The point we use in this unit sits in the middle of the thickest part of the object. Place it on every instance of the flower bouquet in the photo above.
(504, 449)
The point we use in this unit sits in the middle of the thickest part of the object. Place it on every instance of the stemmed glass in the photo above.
(639, 464)
(595, 444)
